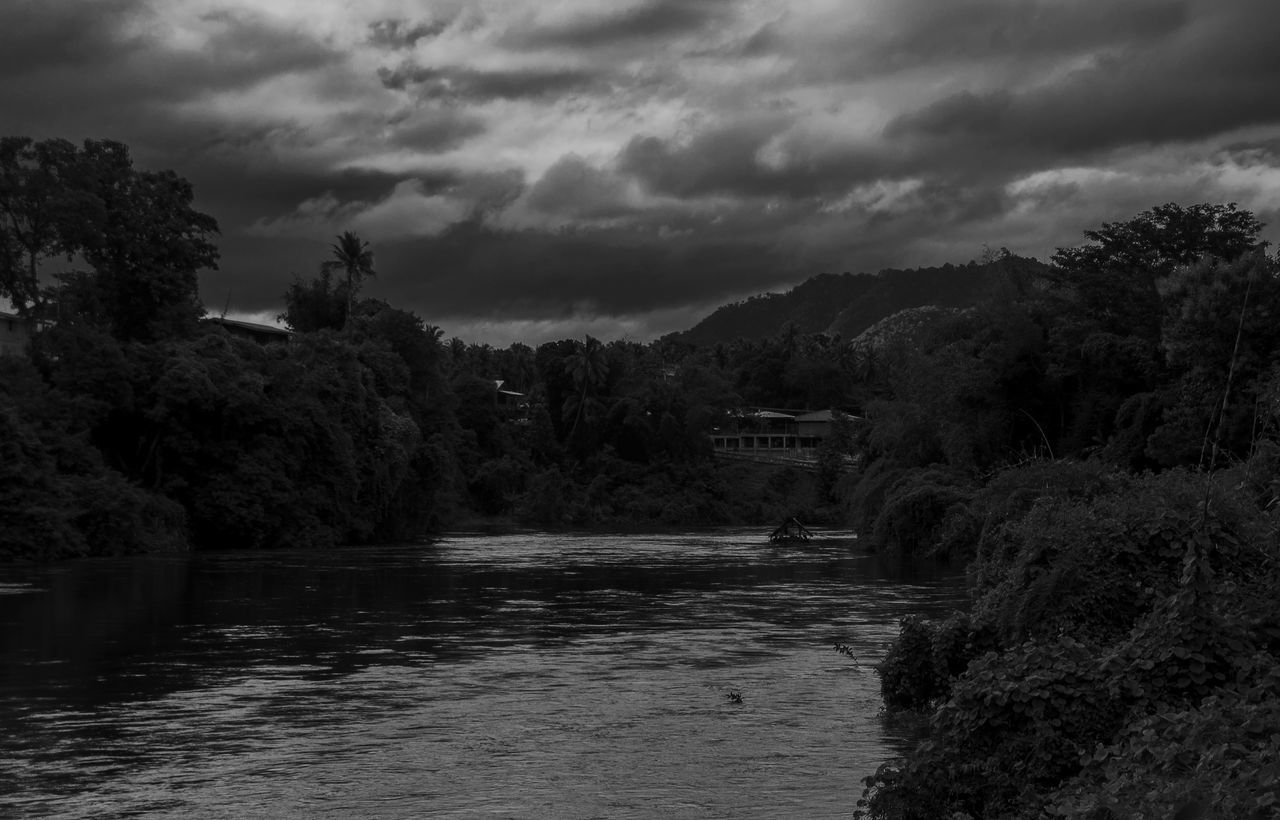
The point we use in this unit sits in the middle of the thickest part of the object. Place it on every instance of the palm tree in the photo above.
(589, 368)
(352, 255)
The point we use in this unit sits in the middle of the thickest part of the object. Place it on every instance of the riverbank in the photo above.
(1122, 659)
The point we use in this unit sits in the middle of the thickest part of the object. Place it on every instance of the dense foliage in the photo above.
(1122, 655)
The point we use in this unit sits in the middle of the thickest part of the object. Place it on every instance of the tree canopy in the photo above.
(137, 232)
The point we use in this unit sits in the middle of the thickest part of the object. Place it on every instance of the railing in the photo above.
(803, 459)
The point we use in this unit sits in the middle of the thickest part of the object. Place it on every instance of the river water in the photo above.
(478, 676)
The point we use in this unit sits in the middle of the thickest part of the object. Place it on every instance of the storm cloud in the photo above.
(545, 169)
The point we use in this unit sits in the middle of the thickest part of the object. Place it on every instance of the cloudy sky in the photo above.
(539, 169)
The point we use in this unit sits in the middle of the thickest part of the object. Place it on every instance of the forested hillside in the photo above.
(847, 304)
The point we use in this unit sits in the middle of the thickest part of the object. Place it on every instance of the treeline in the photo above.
(131, 425)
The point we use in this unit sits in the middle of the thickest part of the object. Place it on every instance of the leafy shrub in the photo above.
(915, 509)
(867, 496)
(1123, 626)
(1092, 568)
(923, 662)
(1221, 755)
(1015, 726)
(908, 677)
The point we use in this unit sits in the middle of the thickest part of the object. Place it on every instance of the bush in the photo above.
(926, 658)
(1121, 626)
(915, 510)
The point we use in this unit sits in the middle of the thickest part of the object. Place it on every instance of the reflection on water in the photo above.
(524, 675)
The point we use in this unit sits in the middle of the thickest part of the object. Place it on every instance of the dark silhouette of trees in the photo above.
(588, 367)
(315, 304)
(1114, 276)
(353, 256)
(33, 197)
(137, 231)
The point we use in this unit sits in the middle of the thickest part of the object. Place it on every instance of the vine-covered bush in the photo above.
(1121, 627)
(915, 511)
(923, 663)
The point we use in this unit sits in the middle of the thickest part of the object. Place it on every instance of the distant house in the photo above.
(773, 432)
(814, 426)
(15, 333)
(510, 403)
(262, 334)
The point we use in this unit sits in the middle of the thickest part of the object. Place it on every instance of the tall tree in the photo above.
(353, 256)
(589, 367)
(34, 196)
(143, 241)
(1115, 274)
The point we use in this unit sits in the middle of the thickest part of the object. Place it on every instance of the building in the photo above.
(262, 334)
(814, 426)
(511, 404)
(15, 333)
(766, 431)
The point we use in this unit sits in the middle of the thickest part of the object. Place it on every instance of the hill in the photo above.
(847, 304)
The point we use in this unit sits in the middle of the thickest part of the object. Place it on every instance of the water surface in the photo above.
(481, 676)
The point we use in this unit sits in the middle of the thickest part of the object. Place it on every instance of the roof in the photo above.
(823, 415)
(770, 414)
(252, 327)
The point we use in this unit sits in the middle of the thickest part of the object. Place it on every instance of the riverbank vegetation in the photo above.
(1121, 656)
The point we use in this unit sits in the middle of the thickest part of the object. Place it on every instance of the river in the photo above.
(477, 676)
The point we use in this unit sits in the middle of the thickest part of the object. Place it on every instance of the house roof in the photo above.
(497, 385)
(250, 326)
(816, 415)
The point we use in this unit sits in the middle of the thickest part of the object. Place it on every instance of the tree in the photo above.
(136, 230)
(1115, 275)
(33, 196)
(589, 368)
(352, 255)
(1163, 238)
(314, 305)
(143, 240)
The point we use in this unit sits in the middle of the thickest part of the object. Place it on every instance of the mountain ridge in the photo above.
(847, 304)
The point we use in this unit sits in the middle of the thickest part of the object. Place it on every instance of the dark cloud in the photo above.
(55, 34)
(898, 36)
(104, 82)
(920, 32)
(472, 85)
(965, 113)
(575, 189)
(435, 130)
(93, 58)
(277, 189)
(650, 20)
(718, 161)
(243, 50)
(478, 271)
(733, 159)
(403, 34)
(1144, 97)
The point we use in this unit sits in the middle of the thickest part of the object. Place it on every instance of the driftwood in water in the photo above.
(791, 530)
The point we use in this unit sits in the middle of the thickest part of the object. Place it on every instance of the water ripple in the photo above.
(479, 676)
